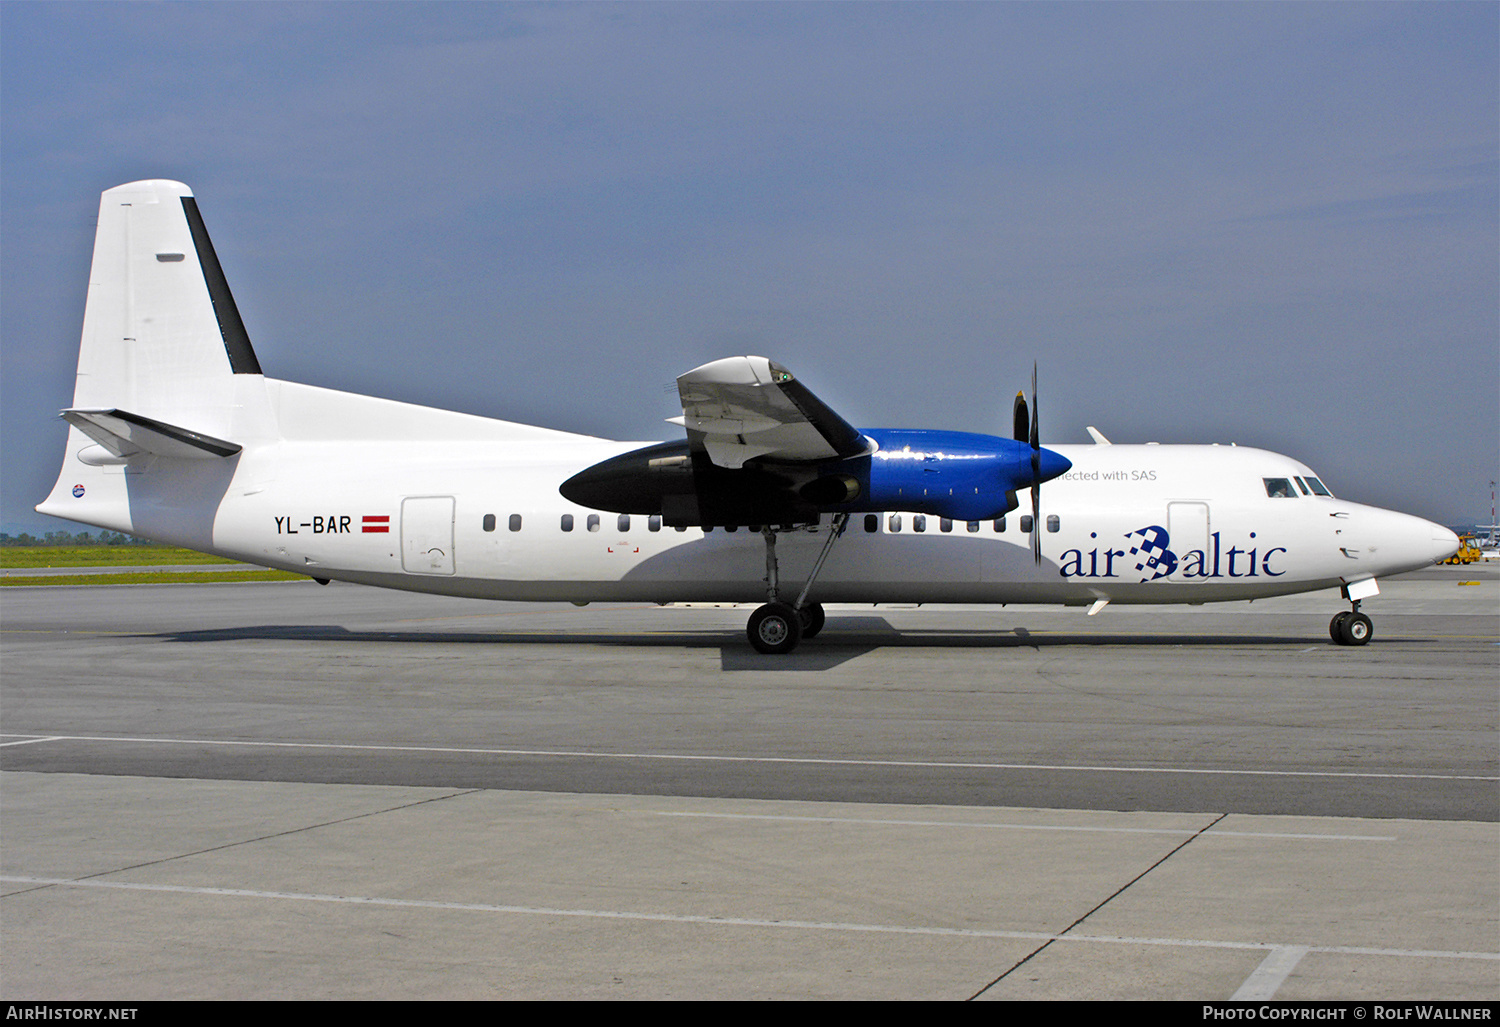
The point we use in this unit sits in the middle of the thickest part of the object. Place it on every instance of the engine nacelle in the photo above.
(959, 475)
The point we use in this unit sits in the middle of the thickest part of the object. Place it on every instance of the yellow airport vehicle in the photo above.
(1468, 552)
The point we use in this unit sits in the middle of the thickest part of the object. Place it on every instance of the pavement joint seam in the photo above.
(267, 837)
(1106, 901)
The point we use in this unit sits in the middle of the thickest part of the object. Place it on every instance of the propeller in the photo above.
(1036, 475)
(1025, 428)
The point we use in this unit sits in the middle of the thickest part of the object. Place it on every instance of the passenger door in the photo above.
(1187, 527)
(427, 534)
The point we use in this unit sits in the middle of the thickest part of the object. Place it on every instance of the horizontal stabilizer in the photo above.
(125, 435)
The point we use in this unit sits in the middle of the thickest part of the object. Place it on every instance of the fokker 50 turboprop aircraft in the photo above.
(176, 435)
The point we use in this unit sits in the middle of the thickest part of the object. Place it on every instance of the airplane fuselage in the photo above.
(176, 434)
(1127, 523)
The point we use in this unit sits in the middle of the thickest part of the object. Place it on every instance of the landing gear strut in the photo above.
(1351, 627)
(777, 627)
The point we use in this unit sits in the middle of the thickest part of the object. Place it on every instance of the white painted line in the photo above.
(1341, 950)
(30, 741)
(727, 921)
(1177, 831)
(1263, 984)
(801, 760)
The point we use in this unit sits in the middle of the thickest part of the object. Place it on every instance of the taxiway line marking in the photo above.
(731, 921)
(801, 760)
(31, 741)
(1008, 826)
(1273, 971)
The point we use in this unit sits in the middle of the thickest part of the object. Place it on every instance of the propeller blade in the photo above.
(1036, 517)
(1035, 436)
(1036, 473)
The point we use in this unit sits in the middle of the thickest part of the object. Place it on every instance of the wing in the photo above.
(741, 408)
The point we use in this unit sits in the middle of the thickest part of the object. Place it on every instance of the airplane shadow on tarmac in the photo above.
(843, 639)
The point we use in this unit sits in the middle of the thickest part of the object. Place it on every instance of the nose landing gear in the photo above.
(1351, 627)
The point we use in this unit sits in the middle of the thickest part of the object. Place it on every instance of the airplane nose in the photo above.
(1444, 542)
(1396, 542)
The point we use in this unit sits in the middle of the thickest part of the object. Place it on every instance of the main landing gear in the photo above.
(1351, 627)
(777, 627)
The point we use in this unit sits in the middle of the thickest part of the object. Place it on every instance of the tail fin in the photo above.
(162, 336)
(165, 362)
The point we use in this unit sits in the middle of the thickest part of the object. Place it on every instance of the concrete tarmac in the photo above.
(281, 790)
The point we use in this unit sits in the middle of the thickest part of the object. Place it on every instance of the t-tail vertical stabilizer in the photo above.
(169, 391)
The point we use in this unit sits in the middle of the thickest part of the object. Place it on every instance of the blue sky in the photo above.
(1272, 224)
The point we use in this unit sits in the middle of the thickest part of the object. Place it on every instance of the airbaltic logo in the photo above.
(1148, 549)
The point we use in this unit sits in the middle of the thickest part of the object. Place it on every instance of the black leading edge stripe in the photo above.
(842, 436)
(207, 443)
(236, 339)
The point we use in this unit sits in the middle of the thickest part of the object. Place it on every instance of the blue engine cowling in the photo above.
(960, 475)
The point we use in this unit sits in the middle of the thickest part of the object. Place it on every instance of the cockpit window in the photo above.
(1318, 487)
(1279, 488)
(1301, 486)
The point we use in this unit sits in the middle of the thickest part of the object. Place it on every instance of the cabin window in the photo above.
(872, 522)
(919, 522)
(679, 527)
(622, 523)
(1026, 523)
(999, 524)
(973, 527)
(515, 522)
(1319, 489)
(707, 528)
(1053, 523)
(567, 522)
(894, 524)
(489, 522)
(1279, 488)
(593, 522)
(653, 523)
(945, 524)
(731, 527)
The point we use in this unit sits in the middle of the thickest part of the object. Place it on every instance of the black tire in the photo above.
(774, 629)
(1336, 626)
(1357, 629)
(812, 619)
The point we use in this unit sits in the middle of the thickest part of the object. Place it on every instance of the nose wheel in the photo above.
(1350, 627)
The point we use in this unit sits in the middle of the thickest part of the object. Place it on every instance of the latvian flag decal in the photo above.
(376, 524)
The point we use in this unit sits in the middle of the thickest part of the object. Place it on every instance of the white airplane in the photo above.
(176, 435)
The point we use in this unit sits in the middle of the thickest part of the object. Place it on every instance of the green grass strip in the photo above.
(151, 578)
(101, 556)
